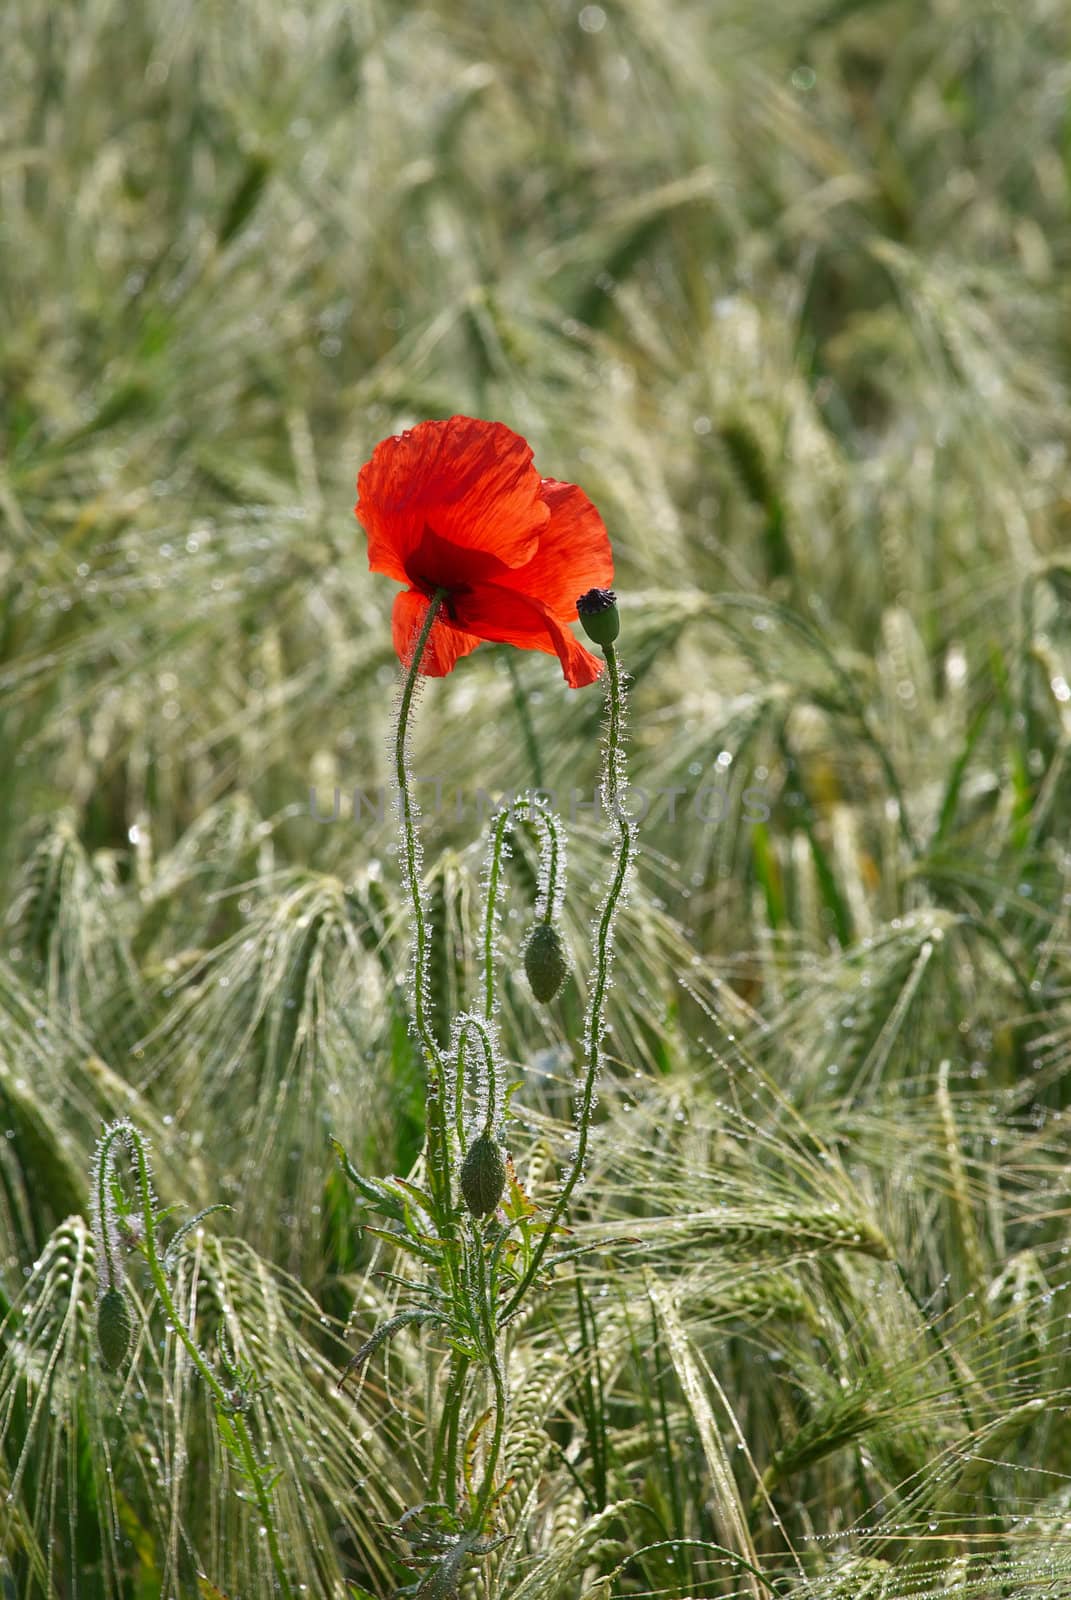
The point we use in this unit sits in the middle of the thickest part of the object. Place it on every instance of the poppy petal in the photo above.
(502, 616)
(471, 482)
(445, 644)
(574, 552)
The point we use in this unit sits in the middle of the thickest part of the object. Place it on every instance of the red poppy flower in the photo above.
(458, 505)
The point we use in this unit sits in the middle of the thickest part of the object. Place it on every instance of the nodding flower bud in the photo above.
(598, 615)
(545, 961)
(114, 1328)
(483, 1176)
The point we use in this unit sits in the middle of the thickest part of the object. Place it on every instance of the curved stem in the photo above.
(494, 872)
(613, 794)
(459, 1093)
(438, 1144)
(479, 1027)
(408, 814)
(552, 855)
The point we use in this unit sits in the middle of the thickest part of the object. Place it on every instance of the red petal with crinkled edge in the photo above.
(470, 483)
(504, 617)
(445, 644)
(573, 555)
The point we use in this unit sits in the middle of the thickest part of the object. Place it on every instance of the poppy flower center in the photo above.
(430, 588)
(438, 563)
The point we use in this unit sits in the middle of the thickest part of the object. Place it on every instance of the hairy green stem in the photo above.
(438, 1144)
(479, 1027)
(548, 822)
(459, 1092)
(264, 1505)
(614, 755)
(494, 873)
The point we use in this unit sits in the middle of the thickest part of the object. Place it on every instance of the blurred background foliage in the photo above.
(785, 288)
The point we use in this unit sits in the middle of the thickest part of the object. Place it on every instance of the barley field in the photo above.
(771, 1298)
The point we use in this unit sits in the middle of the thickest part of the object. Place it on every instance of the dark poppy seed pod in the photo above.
(483, 1176)
(114, 1328)
(545, 961)
(597, 611)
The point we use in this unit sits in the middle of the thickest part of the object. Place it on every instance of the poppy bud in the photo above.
(483, 1176)
(545, 961)
(598, 615)
(114, 1328)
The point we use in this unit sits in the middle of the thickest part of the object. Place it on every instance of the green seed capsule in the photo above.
(545, 961)
(114, 1328)
(483, 1176)
(598, 615)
